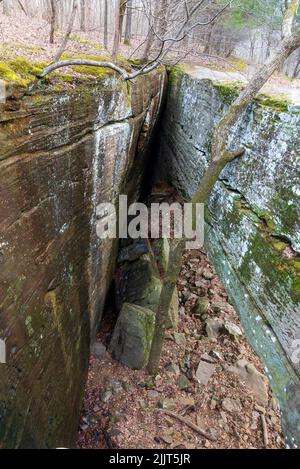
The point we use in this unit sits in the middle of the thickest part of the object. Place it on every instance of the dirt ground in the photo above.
(122, 407)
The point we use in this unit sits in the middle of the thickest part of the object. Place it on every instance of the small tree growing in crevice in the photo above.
(221, 155)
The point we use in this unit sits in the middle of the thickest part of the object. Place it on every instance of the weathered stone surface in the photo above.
(253, 379)
(167, 404)
(214, 327)
(202, 306)
(232, 405)
(182, 382)
(138, 281)
(133, 251)
(62, 153)
(180, 339)
(253, 217)
(98, 349)
(233, 330)
(204, 372)
(133, 334)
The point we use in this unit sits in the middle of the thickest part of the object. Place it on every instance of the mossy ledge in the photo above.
(20, 73)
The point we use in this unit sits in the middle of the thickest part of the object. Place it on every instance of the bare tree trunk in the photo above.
(68, 32)
(123, 4)
(151, 33)
(22, 7)
(161, 24)
(168, 287)
(52, 20)
(149, 44)
(128, 26)
(220, 157)
(117, 36)
(105, 39)
(82, 15)
(158, 29)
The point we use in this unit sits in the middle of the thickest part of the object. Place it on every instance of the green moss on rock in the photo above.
(19, 71)
(228, 91)
(277, 103)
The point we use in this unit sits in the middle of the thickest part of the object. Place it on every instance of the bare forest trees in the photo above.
(68, 31)
(120, 11)
(52, 20)
(82, 15)
(117, 35)
(221, 155)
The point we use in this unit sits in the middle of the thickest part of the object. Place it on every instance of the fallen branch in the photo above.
(189, 424)
(265, 430)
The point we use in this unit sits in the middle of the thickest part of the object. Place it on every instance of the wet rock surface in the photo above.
(252, 217)
(62, 153)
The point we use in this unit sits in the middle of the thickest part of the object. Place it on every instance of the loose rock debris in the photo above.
(231, 401)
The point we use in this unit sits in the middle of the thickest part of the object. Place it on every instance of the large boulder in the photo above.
(138, 279)
(133, 334)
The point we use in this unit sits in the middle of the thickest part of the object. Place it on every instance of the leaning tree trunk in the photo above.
(68, 32)
(167, 292)
(220, 157)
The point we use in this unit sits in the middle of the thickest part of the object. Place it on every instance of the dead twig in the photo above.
(265, 430)
(189, 424)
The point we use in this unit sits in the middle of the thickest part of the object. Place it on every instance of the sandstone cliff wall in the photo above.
(252, 217)
(63, 150)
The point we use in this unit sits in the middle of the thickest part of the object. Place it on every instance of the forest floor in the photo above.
(209, 375)
(23, 36)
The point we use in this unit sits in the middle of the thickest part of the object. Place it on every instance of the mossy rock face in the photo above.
(61, 155)
(133, 335)
(253, 215)
(22, 76)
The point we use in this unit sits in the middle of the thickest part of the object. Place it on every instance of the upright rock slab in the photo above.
(132, 337)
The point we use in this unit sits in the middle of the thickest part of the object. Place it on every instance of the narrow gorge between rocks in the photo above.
(66, 148)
